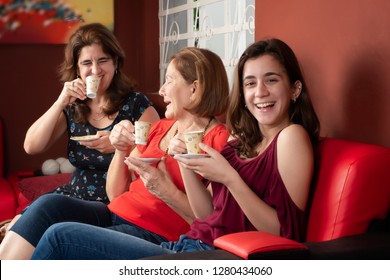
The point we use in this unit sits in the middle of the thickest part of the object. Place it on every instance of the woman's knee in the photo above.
(49, 200)
(48, 208)
(56, 232)
(52, 197)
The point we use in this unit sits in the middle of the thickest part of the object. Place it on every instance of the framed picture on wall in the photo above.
(50, 21)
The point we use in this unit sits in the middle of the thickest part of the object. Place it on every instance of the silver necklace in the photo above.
(99, 117)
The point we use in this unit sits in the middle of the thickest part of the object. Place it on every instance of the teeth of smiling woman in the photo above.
(264, 105)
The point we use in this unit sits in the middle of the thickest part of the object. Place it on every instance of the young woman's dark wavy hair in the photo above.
(241, 122)
(121, 86)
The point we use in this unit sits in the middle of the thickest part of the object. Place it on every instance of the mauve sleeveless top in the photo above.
(262, 176)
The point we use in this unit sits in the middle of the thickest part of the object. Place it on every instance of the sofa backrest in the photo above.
(351, 188)
(1, 150)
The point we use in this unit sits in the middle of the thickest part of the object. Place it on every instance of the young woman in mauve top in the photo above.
(147, 200)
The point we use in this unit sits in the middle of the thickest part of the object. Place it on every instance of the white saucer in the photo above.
(193, 155)
(150, 160)
(84, 138)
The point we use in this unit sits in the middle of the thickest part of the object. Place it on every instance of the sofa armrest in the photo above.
(357, 247)
(375, 246)
(248, 244)
(8, 200)
(261, 245)
(14, 178)
(10, 195)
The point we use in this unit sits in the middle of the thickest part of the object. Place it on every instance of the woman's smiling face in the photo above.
(176, 92)
(93, 61)
(267, 90)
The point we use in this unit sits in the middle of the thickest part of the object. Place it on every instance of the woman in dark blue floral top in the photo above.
(89, 179)
(91, 50)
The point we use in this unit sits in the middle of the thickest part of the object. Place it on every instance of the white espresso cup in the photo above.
(92, 85)
(192, 140)
(141, 132)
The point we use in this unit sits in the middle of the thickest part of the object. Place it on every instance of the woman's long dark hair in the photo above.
(120, 87)
(242, 124)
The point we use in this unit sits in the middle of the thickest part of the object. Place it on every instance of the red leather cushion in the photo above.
(352, 187)
(34, 187)
(243, 244)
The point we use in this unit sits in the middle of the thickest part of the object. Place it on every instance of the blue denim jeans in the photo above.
(75, 241)
(185, 244)
(50, 209)
(121, 225)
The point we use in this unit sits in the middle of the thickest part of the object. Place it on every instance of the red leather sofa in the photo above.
(348, 215)
(28, 185)
(18, 189)
(7, 195)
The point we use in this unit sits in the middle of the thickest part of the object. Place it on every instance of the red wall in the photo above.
(343, 46)
(29, 82)
(344, 49)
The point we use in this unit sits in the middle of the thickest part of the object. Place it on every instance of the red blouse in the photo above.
(141, 207)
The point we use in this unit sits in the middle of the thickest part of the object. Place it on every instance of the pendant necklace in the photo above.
(98, 114)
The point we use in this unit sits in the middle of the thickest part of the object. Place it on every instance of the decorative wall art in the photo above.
(50, 21)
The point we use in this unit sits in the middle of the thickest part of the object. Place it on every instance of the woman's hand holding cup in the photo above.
(122, 136)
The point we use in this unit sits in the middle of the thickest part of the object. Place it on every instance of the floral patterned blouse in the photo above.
(88, 181)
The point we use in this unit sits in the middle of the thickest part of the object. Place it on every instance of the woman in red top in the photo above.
(150, 203)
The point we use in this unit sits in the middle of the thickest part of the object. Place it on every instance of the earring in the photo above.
(294, 99)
